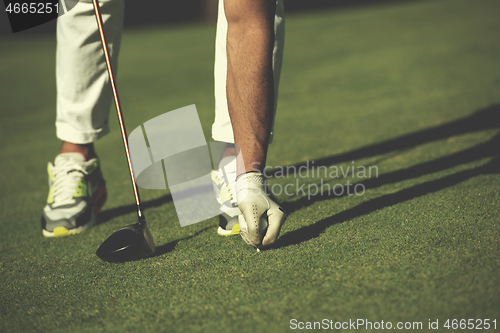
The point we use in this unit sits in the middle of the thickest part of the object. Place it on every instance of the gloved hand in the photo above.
(258, 207)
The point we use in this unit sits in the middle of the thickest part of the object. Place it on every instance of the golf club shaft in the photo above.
(117, 103)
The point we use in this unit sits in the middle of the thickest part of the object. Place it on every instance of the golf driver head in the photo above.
(131, 242)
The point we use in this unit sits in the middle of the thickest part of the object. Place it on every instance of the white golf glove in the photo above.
(261, 216)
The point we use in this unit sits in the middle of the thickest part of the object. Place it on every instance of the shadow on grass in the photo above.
(109, 214)
(488, 118)
(478, 152)
(170, 246)
(484, 119)
(314, 230)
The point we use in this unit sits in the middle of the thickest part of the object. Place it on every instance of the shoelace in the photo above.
(228, 188)
(66, 176)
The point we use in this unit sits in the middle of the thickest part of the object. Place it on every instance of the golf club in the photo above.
(134, 240)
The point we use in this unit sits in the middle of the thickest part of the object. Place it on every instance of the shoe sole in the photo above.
(101, 195)
(62, 231)
(224, 232)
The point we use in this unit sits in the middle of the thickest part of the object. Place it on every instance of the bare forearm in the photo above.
(250, 84)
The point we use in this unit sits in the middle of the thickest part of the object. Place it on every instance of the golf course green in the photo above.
(386, 157)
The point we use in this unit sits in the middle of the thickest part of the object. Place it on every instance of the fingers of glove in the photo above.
(261, 213)
(275, 217)
(252, 209)
(244, 230)
(251, 240)
(249, 232)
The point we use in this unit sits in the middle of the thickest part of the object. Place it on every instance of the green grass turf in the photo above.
(412, 89)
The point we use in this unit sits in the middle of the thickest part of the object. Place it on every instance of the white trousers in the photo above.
(84, 94)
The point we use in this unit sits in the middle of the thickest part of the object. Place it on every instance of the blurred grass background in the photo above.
(411, 88)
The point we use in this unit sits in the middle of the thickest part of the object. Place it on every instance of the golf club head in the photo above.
(130, 242)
